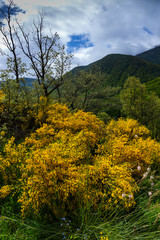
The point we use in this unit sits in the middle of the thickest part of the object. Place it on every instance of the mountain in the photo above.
(28, 82)
(152, 55)
(118, 68)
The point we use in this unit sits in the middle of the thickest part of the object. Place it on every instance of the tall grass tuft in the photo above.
(141, 223)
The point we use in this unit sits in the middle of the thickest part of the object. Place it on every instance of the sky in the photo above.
(92, 29)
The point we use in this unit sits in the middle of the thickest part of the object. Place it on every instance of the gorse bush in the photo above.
(75, 159)
(1, 101)
(17, 111)
(129, 142)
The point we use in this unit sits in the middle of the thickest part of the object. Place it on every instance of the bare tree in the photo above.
(48, 59)
(9, 32)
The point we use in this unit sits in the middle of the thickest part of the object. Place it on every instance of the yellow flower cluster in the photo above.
(74, 158)
(1, 101)
(103, 238)
(5, 191)
(128, 142)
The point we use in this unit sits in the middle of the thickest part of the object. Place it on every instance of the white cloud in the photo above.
(113, 26)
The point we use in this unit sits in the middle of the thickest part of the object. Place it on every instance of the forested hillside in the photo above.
(118, 68)
(152, 55)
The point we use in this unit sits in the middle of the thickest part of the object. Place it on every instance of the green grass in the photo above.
(142, 222)
(139, 224)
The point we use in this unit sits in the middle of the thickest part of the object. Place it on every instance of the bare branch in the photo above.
(9, 31)
(48, 59)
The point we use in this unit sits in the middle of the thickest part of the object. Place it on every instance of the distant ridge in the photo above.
(28, 82)
(152, 55)
(119, 67)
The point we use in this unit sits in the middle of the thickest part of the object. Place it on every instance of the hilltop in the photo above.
(152, 55)
(118, 68)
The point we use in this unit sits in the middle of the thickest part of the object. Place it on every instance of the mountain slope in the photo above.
(118, 68)
(152, 55)
(28, 82)
(154, 86)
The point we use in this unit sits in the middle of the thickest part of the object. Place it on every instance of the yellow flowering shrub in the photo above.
(109, 182)
(41, 110)
(60, 153)
(10, 164)
(74, 158)
(1, 101)
(5, 191)
(129, 128)
(127, 141)
(10, 167)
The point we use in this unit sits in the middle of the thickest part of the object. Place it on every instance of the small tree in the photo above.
(137, 103)
(17, 112)
(78, 88)
(86, 90)
(15, 67)
(48, 58)
(133, 98)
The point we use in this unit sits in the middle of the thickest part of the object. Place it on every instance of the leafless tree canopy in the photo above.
(48, 58)
(8, 32)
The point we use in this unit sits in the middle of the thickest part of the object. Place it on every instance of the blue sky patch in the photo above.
(147, 30)
(79, 41)
(109, 45)
(104, 8)
(14, 10)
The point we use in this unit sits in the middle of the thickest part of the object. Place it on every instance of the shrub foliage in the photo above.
(74, 159)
